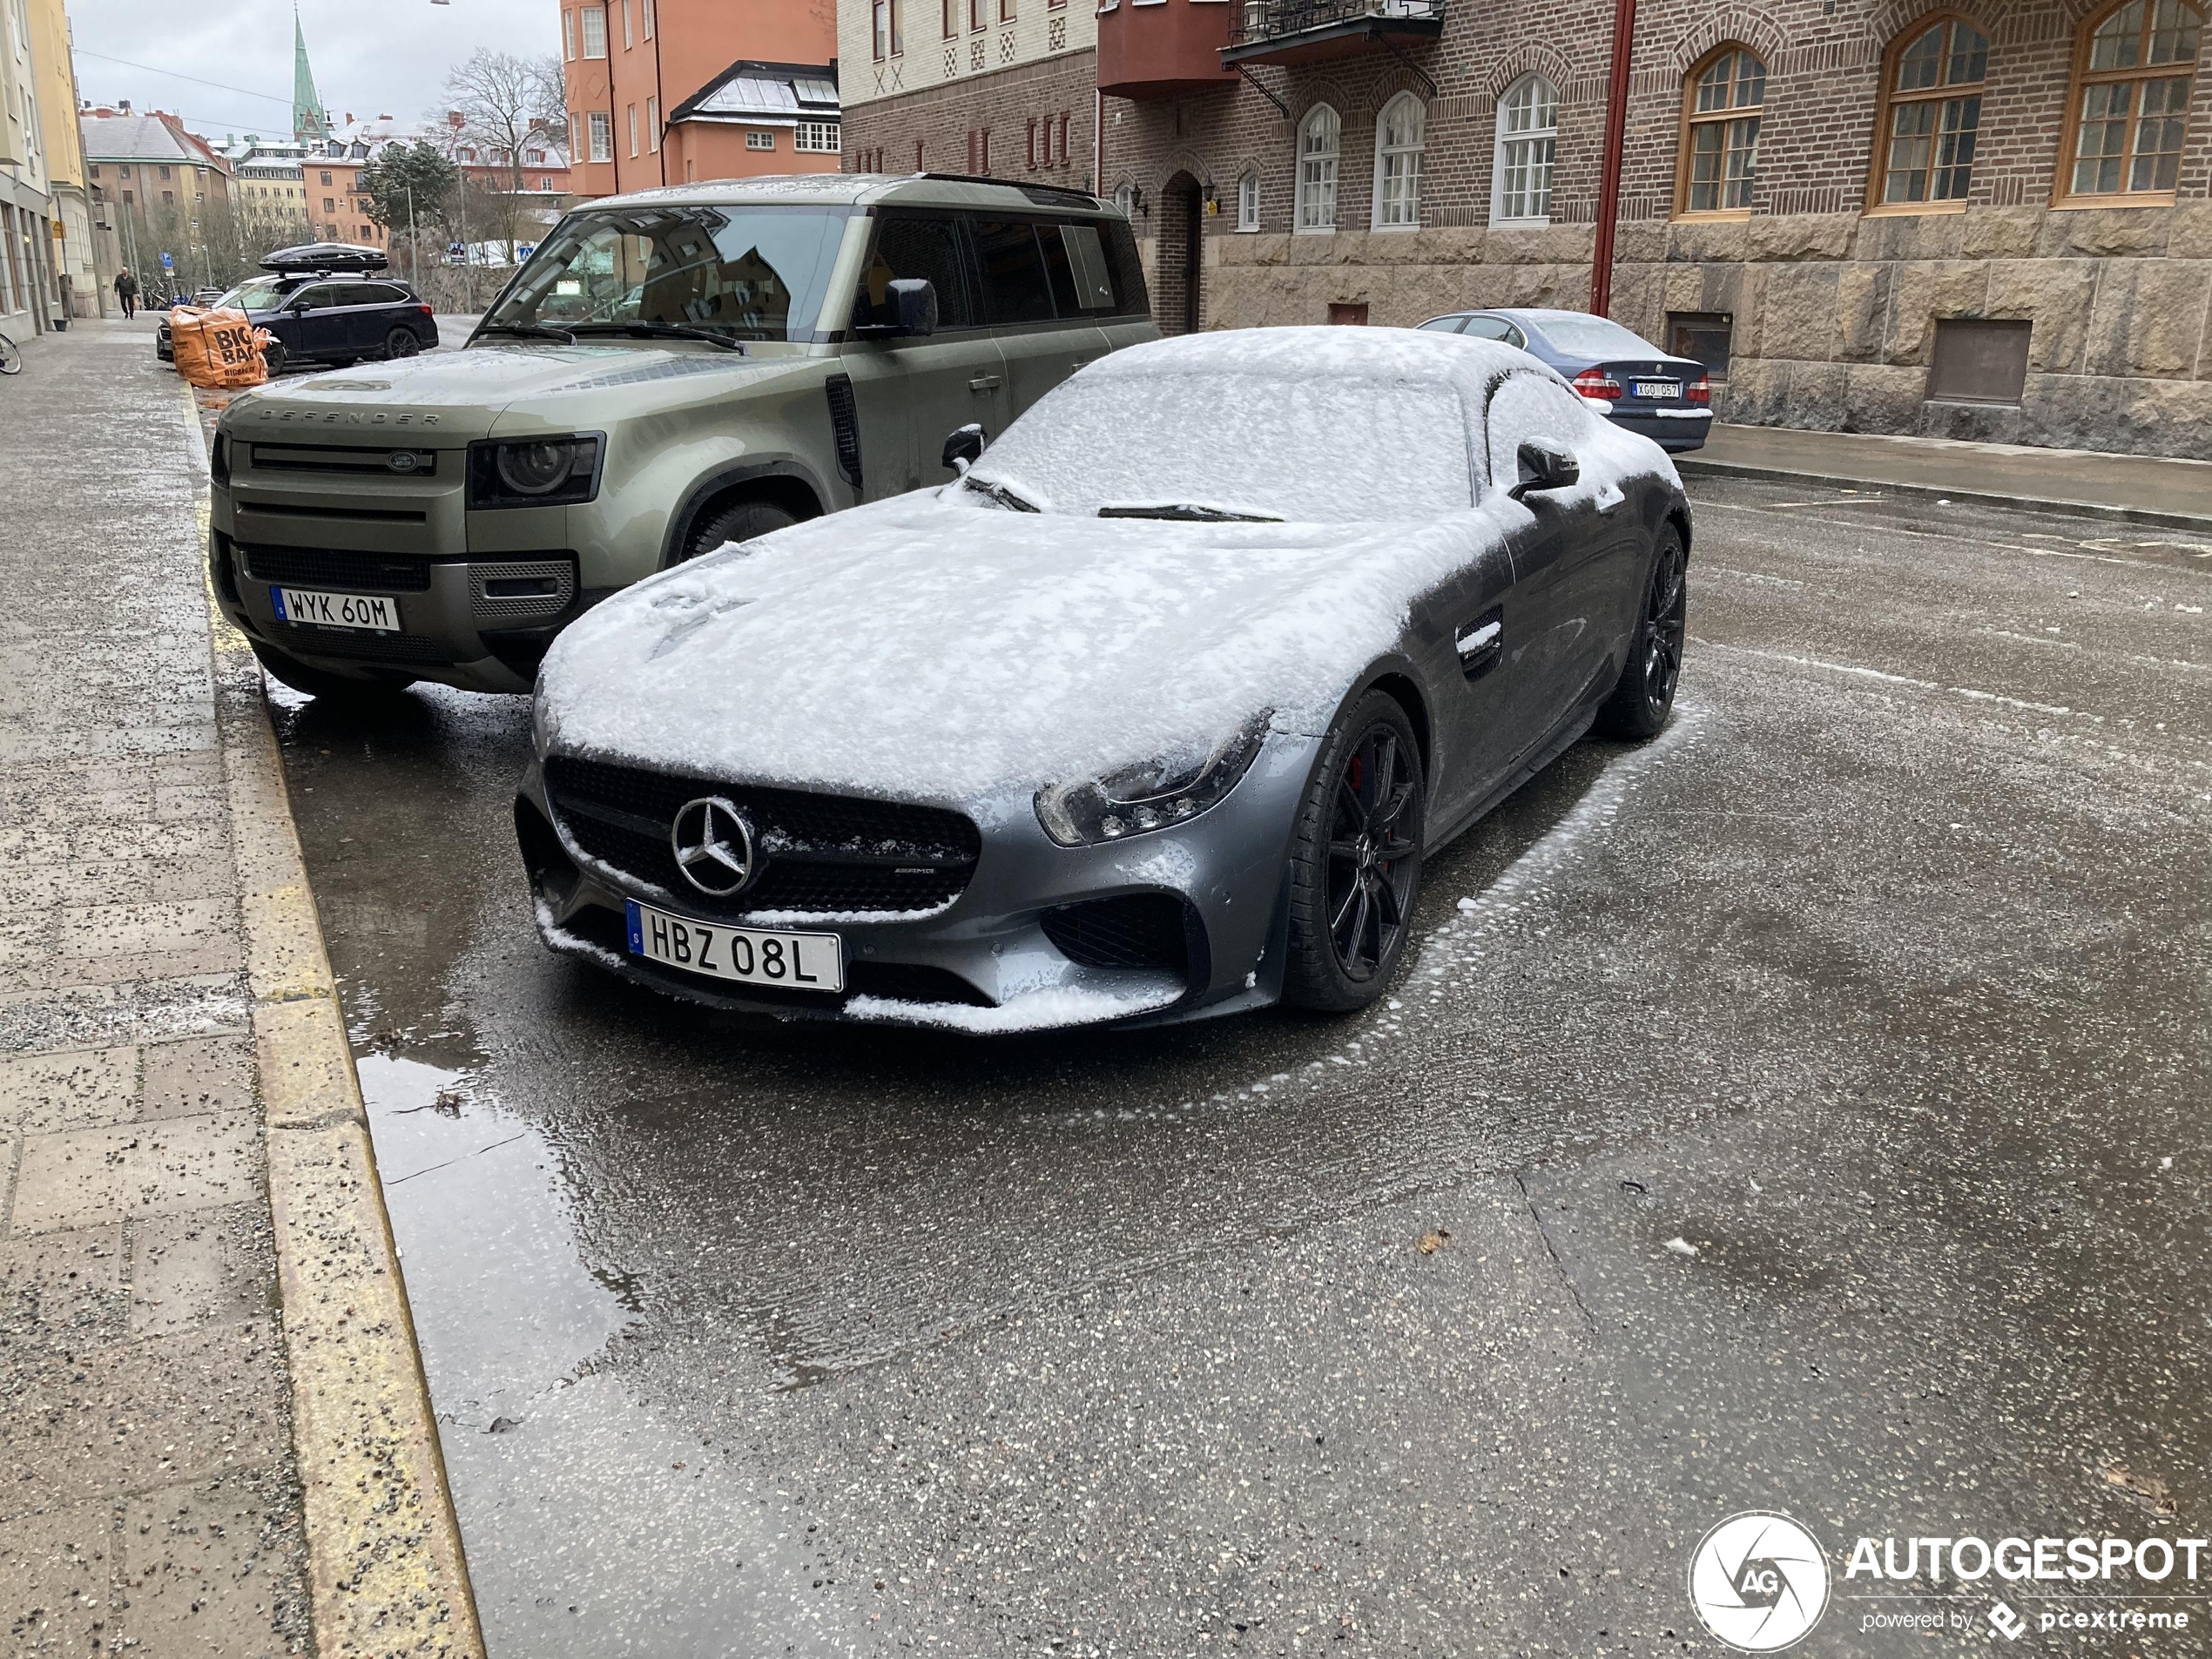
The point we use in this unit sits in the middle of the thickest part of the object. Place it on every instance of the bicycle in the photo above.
(10, 359)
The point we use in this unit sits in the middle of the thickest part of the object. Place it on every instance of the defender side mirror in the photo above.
(964, 447)
(914, 301)
(1544, 466)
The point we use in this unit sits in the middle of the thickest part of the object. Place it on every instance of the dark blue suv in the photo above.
(328, 302)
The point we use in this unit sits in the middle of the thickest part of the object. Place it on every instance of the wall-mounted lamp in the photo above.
(1137, 202)
(1212, 197)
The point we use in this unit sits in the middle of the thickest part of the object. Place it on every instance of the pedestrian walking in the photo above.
(126, 290)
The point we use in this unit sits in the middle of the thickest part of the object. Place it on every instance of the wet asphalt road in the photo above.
(1879, 981)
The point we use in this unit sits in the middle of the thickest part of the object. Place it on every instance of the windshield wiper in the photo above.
(677, 330)
(1190, 512)
(527, 331)
(1002, 495)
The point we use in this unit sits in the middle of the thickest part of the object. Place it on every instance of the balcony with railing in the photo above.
(1303, 31)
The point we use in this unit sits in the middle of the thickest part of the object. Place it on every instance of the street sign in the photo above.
(168, 263)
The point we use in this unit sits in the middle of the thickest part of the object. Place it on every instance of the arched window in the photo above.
(1248, 200)
(1932, 115)
(2133, 70)
(1521, 192)
(1317, 170)
(1720, 137)
(1399, 131)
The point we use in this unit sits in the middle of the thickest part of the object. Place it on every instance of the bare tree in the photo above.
(505, 102)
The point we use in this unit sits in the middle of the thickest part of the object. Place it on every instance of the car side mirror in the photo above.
(1544, 466)
(914, 302)
(964, 447)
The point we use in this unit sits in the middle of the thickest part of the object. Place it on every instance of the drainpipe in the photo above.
(1617, 125)
(1098, 143)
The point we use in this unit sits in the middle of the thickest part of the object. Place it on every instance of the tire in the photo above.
(1644, 695)
(10, 359)
(1355, 861)
(738, 522)
(402, 343)
(317, 684)
(273, 358)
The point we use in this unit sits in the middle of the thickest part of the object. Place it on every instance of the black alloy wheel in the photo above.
(1355, 861)
(1644, 696)
(402, 343)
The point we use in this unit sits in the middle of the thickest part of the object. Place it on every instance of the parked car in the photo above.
(1154, 714)
(668, 372)
(327, 303)
(1622, 376)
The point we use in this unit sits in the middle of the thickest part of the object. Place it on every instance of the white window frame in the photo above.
(1248, 199)
(633, 129)
(652, 124)
(628, 39)
(1315, 194)
(1534, 136)
(594, 15)
(648, 19)
(817, 138)
(600, 123)
(759, 138)
(568, 34)
(1412, 154)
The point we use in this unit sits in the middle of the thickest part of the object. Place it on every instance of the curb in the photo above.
(387, 1575)
(1693, 466)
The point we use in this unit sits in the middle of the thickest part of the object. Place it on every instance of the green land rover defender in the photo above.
(669, 371)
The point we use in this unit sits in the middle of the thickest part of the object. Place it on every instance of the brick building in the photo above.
(1003, 87)
(628, 66)
(1990, 221)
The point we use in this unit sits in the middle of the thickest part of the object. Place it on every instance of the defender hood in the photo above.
(927, 647)
(466, 391)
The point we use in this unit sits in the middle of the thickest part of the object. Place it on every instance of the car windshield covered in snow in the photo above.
(1316, 449)
(752, 273)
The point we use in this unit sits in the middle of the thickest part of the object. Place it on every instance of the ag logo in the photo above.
(1759, 1581)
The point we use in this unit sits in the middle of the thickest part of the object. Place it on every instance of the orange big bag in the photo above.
(217, 349)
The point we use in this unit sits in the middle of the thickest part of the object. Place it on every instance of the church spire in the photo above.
(310, 121)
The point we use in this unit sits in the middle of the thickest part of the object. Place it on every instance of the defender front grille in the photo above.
(318, 566)
(360, 647)
(821, 853)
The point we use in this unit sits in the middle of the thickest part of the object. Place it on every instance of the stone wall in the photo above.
(1834, 313)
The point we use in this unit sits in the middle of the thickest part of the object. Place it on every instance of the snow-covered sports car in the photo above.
(1152, 714)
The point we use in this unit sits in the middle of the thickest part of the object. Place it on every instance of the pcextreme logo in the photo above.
(1759, 1581)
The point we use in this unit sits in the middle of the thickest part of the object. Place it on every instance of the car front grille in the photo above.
(1144, 930)
(322, 567)
(822, 853)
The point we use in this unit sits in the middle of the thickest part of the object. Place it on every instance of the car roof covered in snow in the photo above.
(1378, 355)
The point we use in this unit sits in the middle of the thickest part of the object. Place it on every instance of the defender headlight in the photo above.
(534, 472)
(1150, 795)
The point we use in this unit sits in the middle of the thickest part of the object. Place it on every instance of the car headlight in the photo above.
(534, 472)
(1151, 795)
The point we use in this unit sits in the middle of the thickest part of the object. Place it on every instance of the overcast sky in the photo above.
(384, 58)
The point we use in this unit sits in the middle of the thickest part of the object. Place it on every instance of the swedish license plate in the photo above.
(336, 610)
(1657, 391)
(746, 955)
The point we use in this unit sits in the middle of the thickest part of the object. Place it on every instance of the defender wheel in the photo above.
(1355, 861)
(1644, 695)
(739, 522)
(402, 343)
(317, 684)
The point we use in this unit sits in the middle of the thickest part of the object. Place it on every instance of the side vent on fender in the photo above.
(845, 426)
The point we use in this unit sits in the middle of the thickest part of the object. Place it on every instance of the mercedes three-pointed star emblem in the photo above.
(713, 845)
